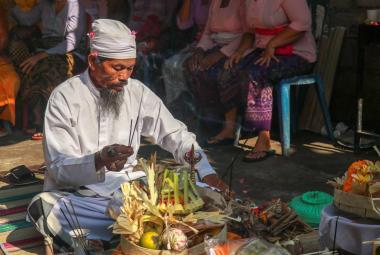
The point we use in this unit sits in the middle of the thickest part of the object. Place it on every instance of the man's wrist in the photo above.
(98, 161)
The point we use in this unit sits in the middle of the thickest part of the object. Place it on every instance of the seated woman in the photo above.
(9, 81)
(222, 36)
(44, 62)
(151, 20)
(285, 48)
(192, 14)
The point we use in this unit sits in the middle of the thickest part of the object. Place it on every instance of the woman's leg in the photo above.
(204, 86)
(228, 131)
(259, 99)
(258, 116)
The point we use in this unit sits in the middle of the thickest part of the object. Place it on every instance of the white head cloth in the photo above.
(112, 39)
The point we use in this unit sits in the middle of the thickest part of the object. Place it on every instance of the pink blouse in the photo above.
(225, 26)
(268, 14)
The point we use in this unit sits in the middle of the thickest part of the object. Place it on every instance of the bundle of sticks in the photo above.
(77, 232)
(274, 221)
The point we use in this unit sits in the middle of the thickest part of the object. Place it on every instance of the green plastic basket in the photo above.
(309, 206)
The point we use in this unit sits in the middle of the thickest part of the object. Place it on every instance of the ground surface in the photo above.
(314, 160)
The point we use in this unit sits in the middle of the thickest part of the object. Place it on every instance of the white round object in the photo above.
(174, 239)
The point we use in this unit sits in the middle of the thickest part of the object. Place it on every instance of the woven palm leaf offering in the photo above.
(166, 213)
(358, 191)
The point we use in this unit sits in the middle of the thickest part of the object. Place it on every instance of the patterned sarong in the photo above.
(247, 86)
(261, 79)
(48, 73)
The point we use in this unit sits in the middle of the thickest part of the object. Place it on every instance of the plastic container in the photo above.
(309, 206)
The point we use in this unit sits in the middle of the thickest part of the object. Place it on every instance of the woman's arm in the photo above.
(288, 36)
(75, 27)
(299, 16)
(205, 43)
(246, 43)
(74, 31)
(184, 16)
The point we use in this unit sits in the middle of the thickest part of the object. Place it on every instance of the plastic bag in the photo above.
(115, 204)
(248, 246)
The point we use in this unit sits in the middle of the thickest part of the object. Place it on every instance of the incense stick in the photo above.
(77, 222)
(234, 159)
(76, 229)
(231, 166)
(130, 131)
(138, 117)
(73, 230)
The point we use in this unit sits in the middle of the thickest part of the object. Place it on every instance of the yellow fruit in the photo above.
(150, 240)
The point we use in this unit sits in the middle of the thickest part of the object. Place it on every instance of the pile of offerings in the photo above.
(266, 229)
(358, 191)
(166, 212)
(273, 221)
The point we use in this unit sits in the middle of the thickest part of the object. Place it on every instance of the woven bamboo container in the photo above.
(356, 204)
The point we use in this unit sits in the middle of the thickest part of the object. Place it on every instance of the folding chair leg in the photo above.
(238, 131)
(284, 112)
(324, 108)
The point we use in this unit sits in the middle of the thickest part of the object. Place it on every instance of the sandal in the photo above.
(266, 154)
(33, 129)
(37, 136)
(19, 176)
(214, 142)
(3, 133)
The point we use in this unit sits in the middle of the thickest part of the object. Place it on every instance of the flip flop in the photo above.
(267, 154)
(38, 136)
(214, 142)
(3, 133)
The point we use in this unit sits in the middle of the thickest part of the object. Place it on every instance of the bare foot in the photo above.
(262, 146)
(30, 131)
(225, 133)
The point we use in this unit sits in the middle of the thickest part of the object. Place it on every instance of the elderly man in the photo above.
(93, 125)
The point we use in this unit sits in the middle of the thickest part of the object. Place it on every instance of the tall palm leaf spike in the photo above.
(192, 158)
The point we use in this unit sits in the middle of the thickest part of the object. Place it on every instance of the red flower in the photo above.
(91, 35)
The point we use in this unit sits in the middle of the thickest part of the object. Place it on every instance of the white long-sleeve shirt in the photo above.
(69, 23)
(76, 127)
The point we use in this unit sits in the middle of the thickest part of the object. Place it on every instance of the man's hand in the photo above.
(193, 62)
(29, 63)
(211, 59)
(113, 157)
(213, 180)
